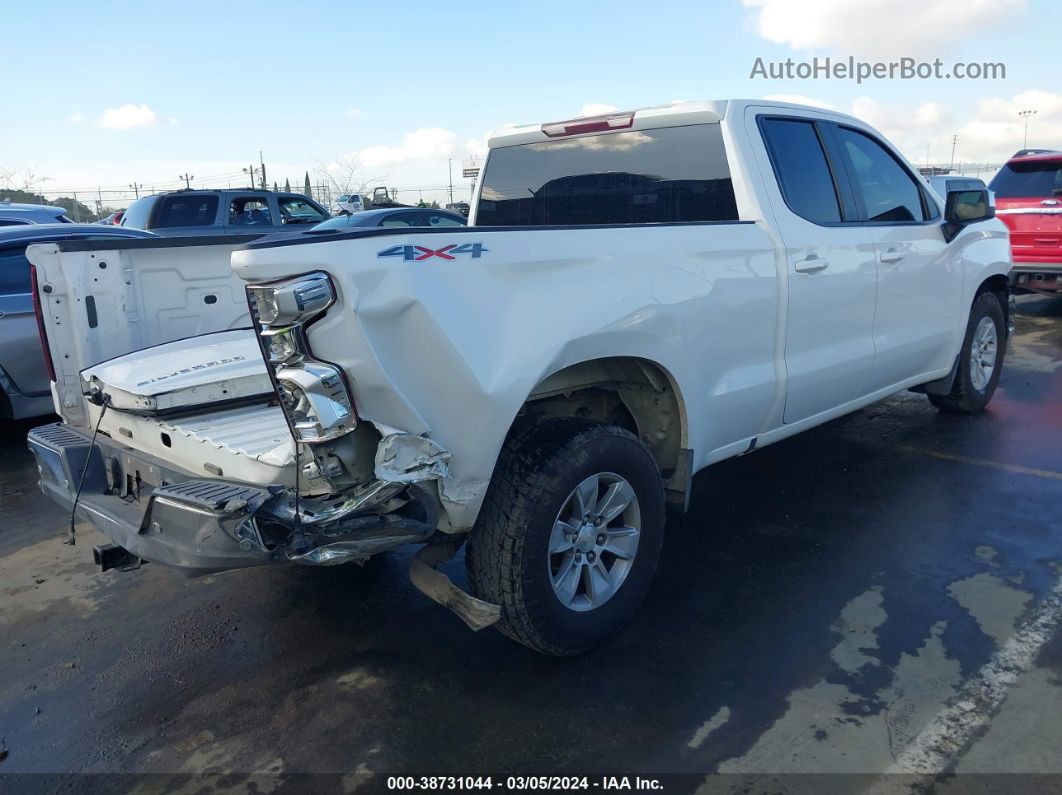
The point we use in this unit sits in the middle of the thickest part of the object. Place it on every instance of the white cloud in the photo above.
(126, 117)
(353, 113)
(878, 28)
(989, 133)
(476, 147)
(596, 109)
(800, 99)
(75, 118)
(429, 143)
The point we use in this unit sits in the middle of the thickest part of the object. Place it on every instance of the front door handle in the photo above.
(812, 264)
(892, 256)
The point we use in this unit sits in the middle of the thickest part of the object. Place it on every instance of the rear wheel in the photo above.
(980, 360)
(569, 535)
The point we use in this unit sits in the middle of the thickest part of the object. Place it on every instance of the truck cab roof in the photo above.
(650, 117)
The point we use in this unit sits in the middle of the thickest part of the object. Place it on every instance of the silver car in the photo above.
(24, 378)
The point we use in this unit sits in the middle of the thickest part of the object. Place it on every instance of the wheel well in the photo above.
(633, 393)
(999, 285)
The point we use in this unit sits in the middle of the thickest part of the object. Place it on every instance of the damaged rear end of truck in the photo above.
(200, 431)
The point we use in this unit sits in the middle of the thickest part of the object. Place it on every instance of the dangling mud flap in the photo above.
(424, 574)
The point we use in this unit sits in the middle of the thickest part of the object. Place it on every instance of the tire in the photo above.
(972, 390)
(534, 485)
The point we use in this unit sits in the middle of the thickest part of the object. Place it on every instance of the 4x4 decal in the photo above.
(416, 253)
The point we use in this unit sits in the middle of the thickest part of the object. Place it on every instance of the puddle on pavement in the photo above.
(831, 726)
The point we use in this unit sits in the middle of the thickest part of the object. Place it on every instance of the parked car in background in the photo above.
(348, 203)
(113, 219)
(1028, 192)
(23, 372)
(399, 217)
(15, 214)
(206, 212)
(638, 296)
(459, 207)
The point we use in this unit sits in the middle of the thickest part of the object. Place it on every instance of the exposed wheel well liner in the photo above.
(631, 392)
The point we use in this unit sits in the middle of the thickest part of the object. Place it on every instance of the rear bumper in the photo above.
(195, 526)
(1036, 276)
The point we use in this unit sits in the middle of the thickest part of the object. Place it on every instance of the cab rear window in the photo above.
(668, 175)
(195, 210)
(1039, 179)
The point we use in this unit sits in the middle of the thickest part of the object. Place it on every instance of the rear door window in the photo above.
(801, 168)
(1029, 180)
(249, 211)
(185, 210)
(667, 175)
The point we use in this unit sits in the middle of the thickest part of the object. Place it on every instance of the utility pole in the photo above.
(261, 163)
(1025, 114)
(136, 189)
(187, 180)
(450, 165)
(77, 215)
(954, 140)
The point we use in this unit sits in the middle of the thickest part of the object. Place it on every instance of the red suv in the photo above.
(1029, 201)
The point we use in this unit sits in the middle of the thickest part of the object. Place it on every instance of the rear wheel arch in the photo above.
(632, 392)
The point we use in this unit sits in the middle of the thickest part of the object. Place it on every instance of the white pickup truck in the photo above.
(637, 296)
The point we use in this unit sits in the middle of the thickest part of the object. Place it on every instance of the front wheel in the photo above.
(980, 360)
(569, 535)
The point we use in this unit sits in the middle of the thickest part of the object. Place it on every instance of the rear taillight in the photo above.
(38, 310)
(314, 394)
(611, 121)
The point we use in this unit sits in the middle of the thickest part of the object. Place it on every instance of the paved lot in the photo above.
(878, 594)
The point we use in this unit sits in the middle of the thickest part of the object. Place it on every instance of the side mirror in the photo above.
(963, 207)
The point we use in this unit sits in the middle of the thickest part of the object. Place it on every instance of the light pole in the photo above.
(251, 171)
(187, 179)
(136, 189)
(1025, 114)
(954, 140)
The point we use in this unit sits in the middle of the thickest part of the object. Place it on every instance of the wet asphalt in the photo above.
(819, 606)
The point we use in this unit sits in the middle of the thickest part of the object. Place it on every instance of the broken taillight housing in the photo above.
(314, 395)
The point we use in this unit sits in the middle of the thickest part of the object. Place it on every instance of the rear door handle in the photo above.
(812, 264)
(892, 256)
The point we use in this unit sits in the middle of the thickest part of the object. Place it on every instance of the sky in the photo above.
(107, 94)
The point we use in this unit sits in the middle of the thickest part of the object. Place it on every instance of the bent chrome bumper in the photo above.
(155, 513)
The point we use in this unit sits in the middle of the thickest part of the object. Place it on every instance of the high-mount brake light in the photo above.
(589, 124)
(38, 310)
